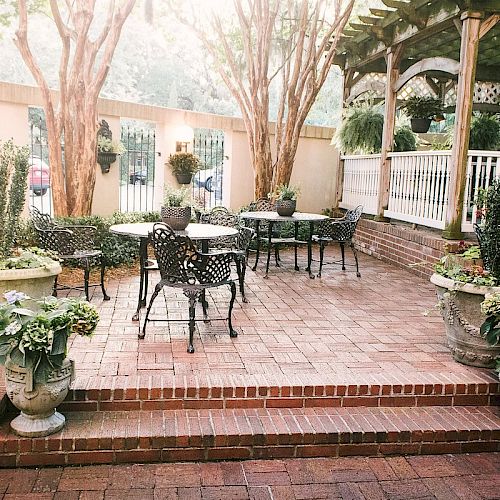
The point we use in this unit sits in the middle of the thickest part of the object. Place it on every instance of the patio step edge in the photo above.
(204, 435)
(133, 397)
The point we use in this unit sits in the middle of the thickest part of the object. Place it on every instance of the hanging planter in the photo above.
(420, 125)
(107, 149)
(105, 159)
(184, 166)
(184, 178)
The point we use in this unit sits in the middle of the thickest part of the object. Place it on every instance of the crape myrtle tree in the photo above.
(288, 44)
(71, 117)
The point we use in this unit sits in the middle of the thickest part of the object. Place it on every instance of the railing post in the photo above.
(393, 59)
(465, 92)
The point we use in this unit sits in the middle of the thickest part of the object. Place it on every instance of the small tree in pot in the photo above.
(176, 209)
(422, 111)
(33, 347)
(462, 285)
(183, 166)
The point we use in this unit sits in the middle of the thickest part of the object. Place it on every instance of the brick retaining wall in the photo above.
(414, 249)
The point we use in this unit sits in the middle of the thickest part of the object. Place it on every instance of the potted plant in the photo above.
(462, 284)
(29, 270)
(107, 151)
(176, 209)
(183, 166)
(33, 347)
(286, 199)
(422, 111)
(484, 133)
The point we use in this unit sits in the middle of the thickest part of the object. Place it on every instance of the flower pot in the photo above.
(420, 125)
(36, 283)
(286, 208)
(176, 217)
(37, 402)
(105, 159)
(184, 178)
(460, 307)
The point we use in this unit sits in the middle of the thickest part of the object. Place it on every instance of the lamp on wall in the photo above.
(184, 135)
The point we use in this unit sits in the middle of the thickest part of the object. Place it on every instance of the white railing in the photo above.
(361, 174)
(418, 191)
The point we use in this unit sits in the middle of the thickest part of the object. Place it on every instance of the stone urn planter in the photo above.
(37, 401)
(35, 282)
(461, 311)
(176, 217)
(286, 208)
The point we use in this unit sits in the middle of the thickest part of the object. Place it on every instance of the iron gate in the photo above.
(137, 169)
(208, 146)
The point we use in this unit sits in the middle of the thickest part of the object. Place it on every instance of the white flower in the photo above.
(12, 328)
(14, 296)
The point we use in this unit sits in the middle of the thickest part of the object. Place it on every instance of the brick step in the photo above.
(184, 393)
(200, 435)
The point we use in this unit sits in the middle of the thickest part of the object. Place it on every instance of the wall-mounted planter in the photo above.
(184, 178)
(105, 159)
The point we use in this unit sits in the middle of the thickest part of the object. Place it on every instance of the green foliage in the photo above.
(37, 339)
(28, 258)
(14, 167)
(184, 163)
(105, 145)
(490, 241)
(177, 197)
(405, 139)
(490, 329)
(286, 192)
(484, 133)
(423, 107)
(361, 131)
(117, 249)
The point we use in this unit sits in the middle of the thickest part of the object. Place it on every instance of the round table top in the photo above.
(194, 231)
(274, 216)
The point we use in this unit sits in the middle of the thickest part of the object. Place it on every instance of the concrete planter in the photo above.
(286, 208)
(37, 402)
(461, 311)
(36, 283)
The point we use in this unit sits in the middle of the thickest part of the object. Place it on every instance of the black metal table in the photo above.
(272, 218)
(197, 232)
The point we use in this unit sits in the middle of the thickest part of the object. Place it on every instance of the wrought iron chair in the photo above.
(237, 244)
(182, 266)
(480, 239)
(75, 242)
(338, 231)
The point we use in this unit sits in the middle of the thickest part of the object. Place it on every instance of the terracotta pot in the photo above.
(461, 311)
(37, 402)
(286, 208)
(36, 283)
(176, 217)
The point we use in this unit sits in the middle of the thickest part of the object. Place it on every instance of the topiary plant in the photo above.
(490, 238)
(484, 133)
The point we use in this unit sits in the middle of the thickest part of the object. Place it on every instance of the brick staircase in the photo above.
(148, 420)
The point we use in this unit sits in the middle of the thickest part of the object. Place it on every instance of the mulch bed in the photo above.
(74, 276)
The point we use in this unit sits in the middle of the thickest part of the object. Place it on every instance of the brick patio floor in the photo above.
(382, 328)
(445, 477)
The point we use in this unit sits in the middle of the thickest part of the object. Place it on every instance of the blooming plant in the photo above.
(285, 192)
(37, 339)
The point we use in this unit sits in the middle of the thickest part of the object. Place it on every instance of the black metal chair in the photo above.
(237, 244)
(72, 242)
(182, 266)
(339, 231)
(480, 239)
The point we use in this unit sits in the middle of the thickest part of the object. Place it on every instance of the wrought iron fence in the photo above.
(208, 146)
(137, 169)
(39, 182)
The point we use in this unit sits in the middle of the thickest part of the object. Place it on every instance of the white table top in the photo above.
(273, 216)
(194, 231)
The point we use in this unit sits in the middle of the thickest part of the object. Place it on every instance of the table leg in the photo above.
(143, 255)
(309, 249)
(269, 237)
(296, 236)
(257, 224)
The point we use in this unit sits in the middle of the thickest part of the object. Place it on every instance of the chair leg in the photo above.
(342, 251)
(192, 323)
(103, 270)
(54, 289)
(241, 265)
(321, 255)
(145, 291)
(277, 255)
(355, 253)
(204, 305)
(86, 277)
(232, 332)
(157, 290)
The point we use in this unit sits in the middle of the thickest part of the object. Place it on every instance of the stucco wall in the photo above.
(315, 166)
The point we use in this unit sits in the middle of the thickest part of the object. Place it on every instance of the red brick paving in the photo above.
(444, 477)
(338, 330)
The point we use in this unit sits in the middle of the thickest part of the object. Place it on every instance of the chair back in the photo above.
(354, 215)
(262, 205)
(341, 229)
(221, 216)
(41, 221)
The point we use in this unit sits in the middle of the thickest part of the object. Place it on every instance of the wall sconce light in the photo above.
(184, 135)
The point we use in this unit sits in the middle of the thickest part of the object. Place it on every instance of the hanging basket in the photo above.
(105, 159)
(420, 125)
